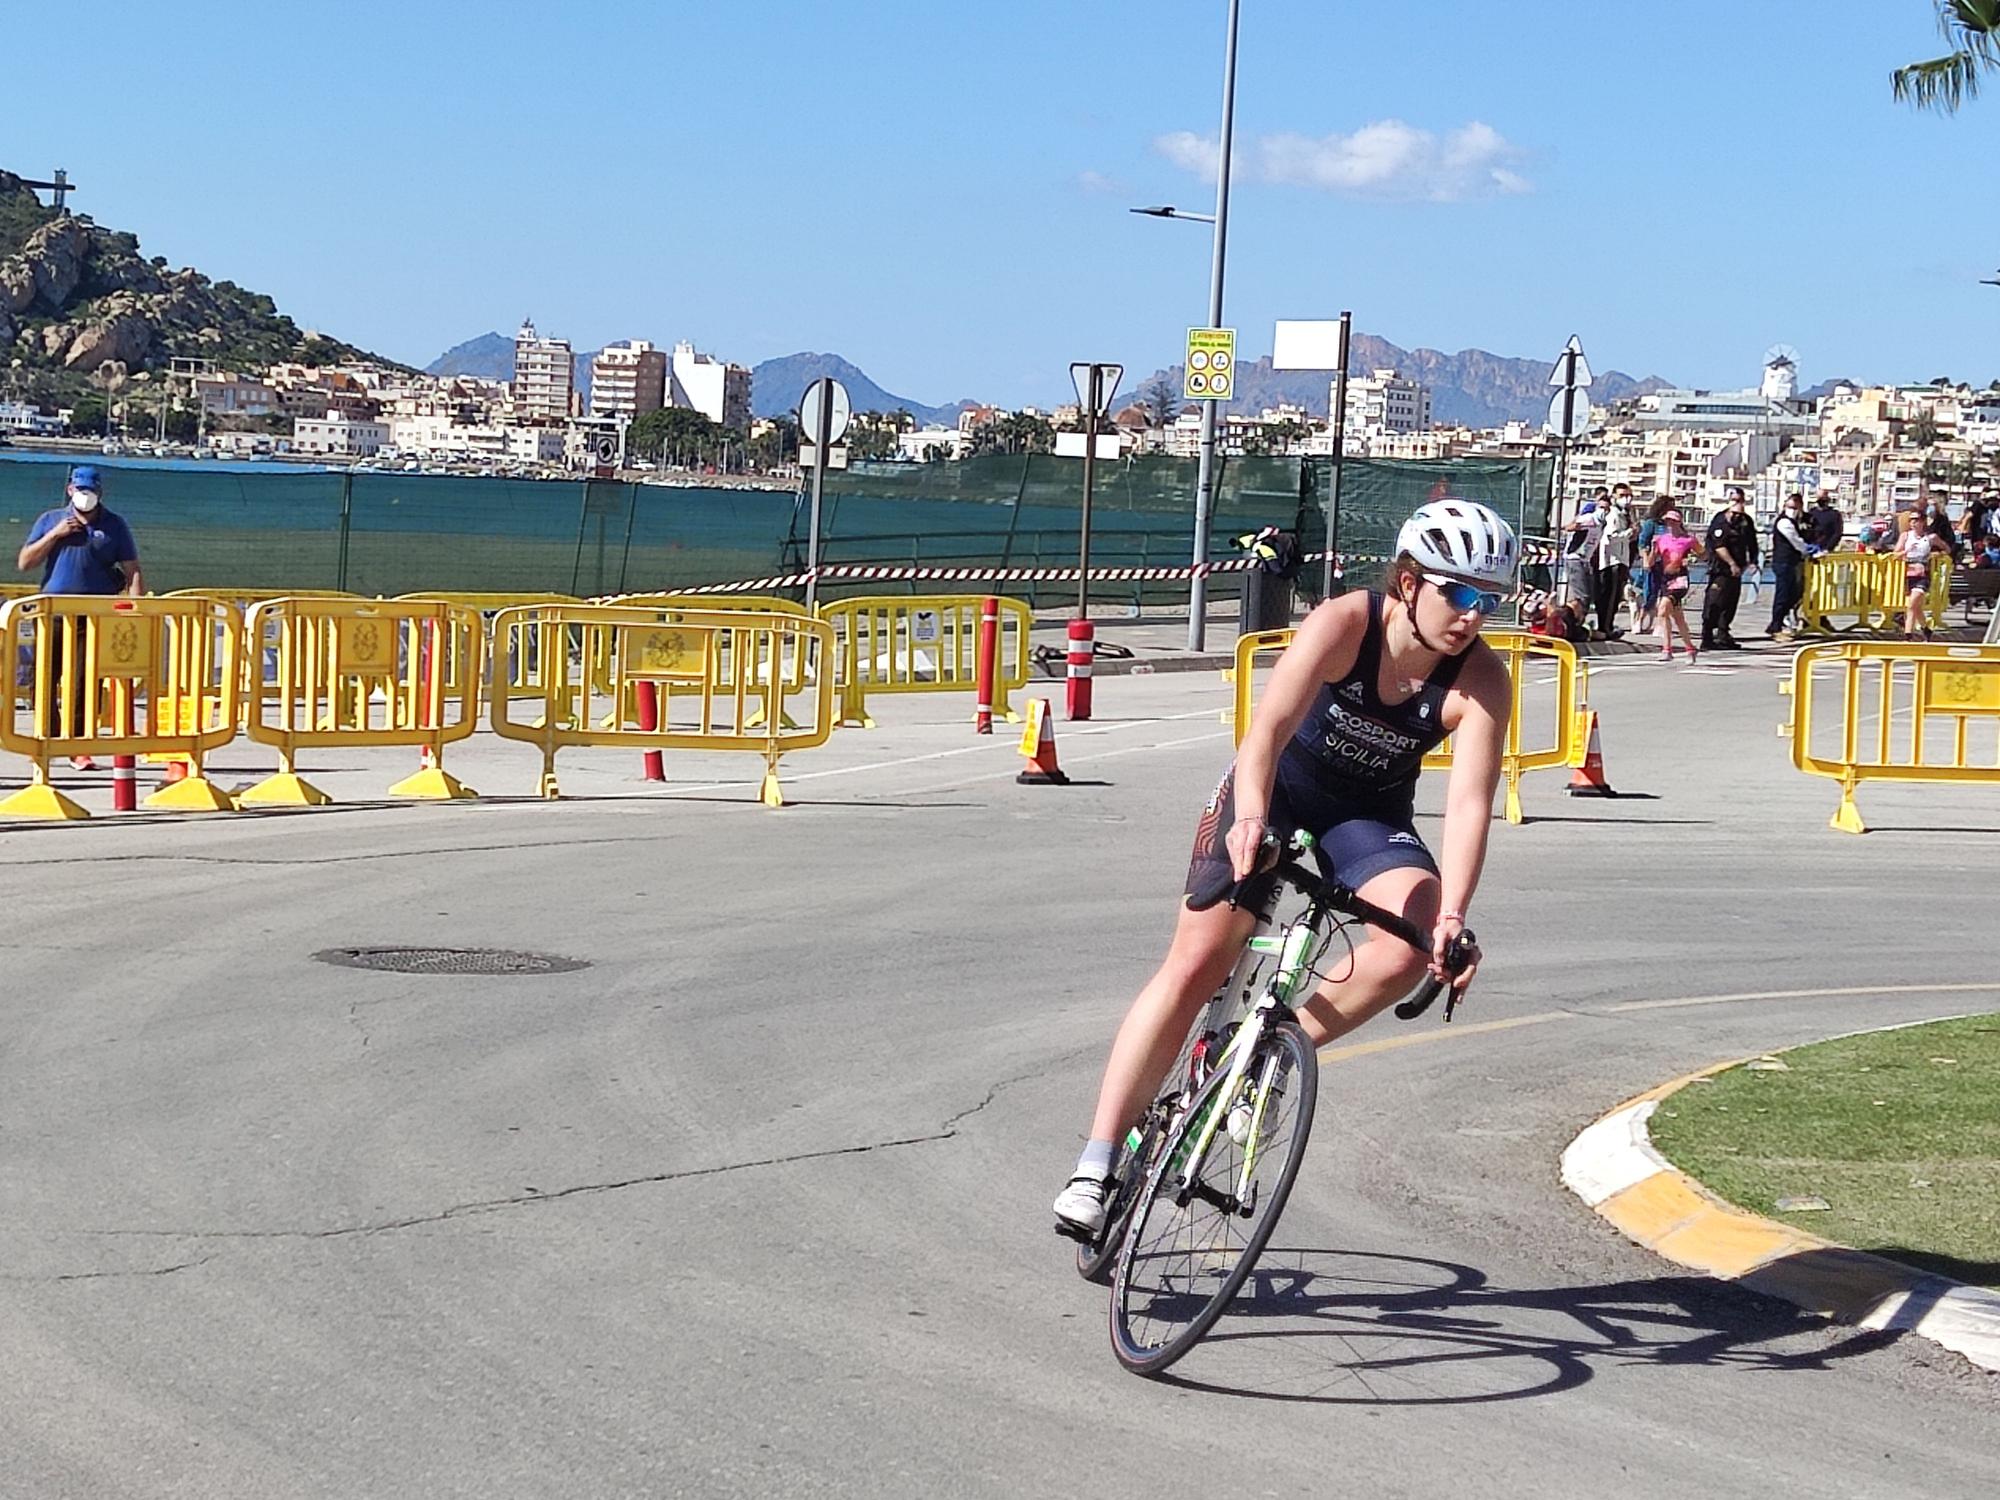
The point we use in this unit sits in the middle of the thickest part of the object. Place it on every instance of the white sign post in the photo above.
(824, 413)
(1569, 408)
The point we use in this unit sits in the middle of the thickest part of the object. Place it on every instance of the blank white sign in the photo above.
(1306, 344)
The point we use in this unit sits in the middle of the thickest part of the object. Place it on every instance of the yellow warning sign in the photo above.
(1209, 372)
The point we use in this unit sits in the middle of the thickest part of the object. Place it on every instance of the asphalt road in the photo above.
(757, 1204)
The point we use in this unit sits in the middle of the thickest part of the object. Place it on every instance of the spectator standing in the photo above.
(1918, 545)
(1788, 565)
(1580, 552)
(1731, 547)
(1824, 526)
(1972, 526)
(1939, 521)
(1674, 546)
(1614, 557)
(82, 548)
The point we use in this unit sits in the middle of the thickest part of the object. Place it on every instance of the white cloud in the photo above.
(1098, 182)
(1386, 159)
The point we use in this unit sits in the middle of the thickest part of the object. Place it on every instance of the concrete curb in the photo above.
(1613, 1167)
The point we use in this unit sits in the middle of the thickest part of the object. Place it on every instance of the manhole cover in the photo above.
(449, 961)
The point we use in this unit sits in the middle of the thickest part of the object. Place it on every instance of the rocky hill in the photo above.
(1470, 387)
(777, 385)
(78, 300)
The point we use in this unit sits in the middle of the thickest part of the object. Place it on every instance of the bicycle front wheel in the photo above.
(1200, 1225)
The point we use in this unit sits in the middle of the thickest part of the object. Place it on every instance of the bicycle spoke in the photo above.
(1190, 1247)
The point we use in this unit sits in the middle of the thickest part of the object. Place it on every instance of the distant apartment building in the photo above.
(920, 443)
(24, 420)
(439, 435)
(719, 391)
(339, 436)
(544, 377)
(1383, 401)
(236, 396)
(628, 380)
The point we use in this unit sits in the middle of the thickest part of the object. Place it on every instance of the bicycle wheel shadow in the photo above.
(1363, 1328)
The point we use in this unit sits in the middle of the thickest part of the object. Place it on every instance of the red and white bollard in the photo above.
(1082, 647)
(124, 783)
(648, 695)
(989, 654)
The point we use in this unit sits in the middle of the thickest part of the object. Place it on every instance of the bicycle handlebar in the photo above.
(1343, 898)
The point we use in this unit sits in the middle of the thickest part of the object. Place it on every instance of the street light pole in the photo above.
(1205, 473)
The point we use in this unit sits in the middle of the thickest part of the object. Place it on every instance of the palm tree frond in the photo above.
(1943, 83)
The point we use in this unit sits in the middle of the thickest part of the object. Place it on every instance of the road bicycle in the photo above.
(1204, 1176)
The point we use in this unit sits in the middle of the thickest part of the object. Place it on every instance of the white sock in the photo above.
(1095, 1161)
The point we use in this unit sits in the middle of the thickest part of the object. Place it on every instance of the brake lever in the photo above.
(1457, 952)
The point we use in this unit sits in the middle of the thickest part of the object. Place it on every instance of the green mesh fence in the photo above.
(379, 533)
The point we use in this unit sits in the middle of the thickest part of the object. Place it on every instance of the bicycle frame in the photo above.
(1295, 948)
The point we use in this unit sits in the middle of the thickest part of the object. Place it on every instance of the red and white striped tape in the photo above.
(1531, 552)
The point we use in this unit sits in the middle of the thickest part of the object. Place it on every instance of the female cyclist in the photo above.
(1369, 684)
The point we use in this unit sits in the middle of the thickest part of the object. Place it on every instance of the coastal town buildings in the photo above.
(544, 377)
(718, 390)
(339, 436)
(628, 380)
(1384, 401)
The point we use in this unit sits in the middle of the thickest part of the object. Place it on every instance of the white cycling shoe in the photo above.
(1080, 1208)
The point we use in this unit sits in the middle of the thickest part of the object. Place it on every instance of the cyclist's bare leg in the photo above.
(1385, 968)
(1203, 951)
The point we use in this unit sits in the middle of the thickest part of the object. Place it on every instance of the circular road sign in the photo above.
(1198, 360)
(1198, 383)
(1221, 361)
(809, 412)
(1218, 384)
(1579, 416)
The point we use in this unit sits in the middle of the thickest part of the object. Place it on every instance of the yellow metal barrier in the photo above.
(1918, 701)
(1869, 586)
(721, 698)
(924, 645)
(116, 676)
(1518, 650)
(366, 673)
(515, 657)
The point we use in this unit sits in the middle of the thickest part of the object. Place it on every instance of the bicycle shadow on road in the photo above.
(1360, 1328)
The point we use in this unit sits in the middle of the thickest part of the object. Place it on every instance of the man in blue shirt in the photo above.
(81, 548)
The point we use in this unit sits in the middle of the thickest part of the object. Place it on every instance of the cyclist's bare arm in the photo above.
(1324, 648)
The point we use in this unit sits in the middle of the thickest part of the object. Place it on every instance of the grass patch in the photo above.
(1899, 1131)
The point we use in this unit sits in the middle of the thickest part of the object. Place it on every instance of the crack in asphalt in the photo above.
(949, 1130)
(328, 859)
(183, 1265)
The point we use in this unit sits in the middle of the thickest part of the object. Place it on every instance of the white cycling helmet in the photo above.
(1462, 538)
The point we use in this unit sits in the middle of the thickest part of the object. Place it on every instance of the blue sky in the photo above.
(938, 191)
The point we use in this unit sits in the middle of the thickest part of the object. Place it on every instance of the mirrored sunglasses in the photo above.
(1463, 596)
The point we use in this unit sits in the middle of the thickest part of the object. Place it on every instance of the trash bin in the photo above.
(1267, 602)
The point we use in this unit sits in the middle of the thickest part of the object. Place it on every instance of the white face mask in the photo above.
(85, 501)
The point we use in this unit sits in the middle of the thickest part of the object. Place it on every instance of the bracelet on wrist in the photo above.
(1452, 916)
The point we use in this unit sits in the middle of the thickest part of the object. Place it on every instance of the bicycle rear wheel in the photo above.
(1189, 1250)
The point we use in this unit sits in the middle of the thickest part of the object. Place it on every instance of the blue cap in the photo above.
(1589, 507)
(84, 477)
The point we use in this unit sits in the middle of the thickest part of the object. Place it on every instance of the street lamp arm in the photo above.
(1165, 211)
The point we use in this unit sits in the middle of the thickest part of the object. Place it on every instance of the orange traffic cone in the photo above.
(1587, 780)
(1038, 743)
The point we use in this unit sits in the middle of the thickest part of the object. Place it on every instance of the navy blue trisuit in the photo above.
(1348, 777)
